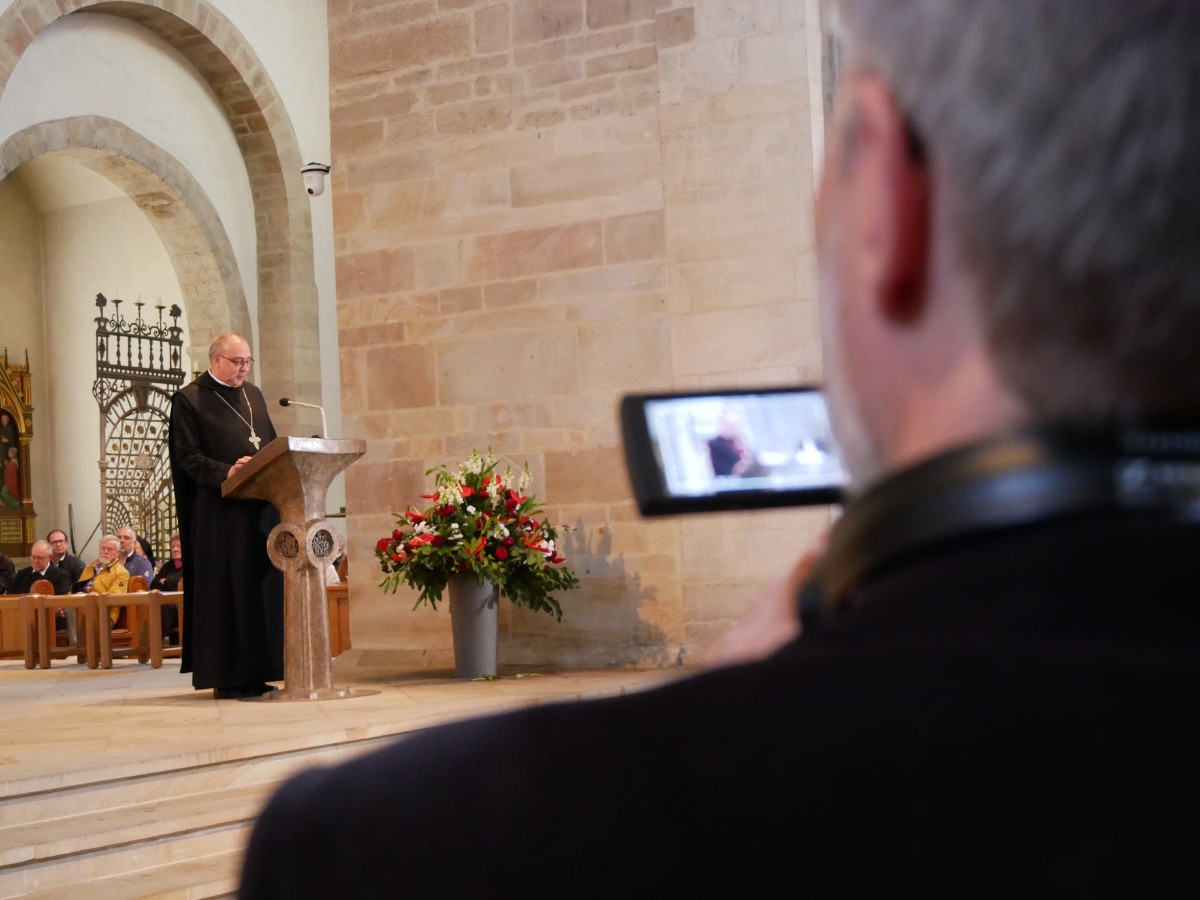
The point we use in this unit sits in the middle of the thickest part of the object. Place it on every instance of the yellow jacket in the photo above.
(112, 579)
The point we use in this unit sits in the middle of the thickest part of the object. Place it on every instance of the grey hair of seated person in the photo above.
(1062, 141)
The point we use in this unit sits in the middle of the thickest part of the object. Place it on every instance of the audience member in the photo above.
(106, 575)
(994, 689)
(8, 571)
(168, 578)
(61, 557)
(134, 562)
(38, 570)
(144, 549)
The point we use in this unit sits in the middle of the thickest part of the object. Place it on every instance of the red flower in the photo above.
(413, 516)
(438, 540)
(382, 544)
(467, 491)
(420, 540)
(501, 552)
(447, 510)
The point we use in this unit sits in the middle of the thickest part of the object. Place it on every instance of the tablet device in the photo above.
(730, 449)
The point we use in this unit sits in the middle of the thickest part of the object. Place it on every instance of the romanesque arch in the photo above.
(286, 287)
(172, 200)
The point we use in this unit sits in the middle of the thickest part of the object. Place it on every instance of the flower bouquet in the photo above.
(481, 522)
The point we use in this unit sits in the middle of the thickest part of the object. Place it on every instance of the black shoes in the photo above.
(243, 691)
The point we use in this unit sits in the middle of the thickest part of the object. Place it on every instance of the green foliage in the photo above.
(479, 523)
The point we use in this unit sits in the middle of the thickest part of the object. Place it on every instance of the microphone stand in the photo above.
(284, 401)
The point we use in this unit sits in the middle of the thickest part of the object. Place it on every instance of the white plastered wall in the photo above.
(90, 64)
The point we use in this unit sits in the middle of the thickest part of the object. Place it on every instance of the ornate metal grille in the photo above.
(138, 367)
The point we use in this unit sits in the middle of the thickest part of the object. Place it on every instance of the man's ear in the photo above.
(894, 196)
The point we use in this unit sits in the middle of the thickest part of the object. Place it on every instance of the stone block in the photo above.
(437, 264)
(377, 272)
(627, 357)
(726, 342)
(387, 50)
(625, 61)
(608, 13)
(534, 21)
(553, 73)
(492, 29)
(475, 117)
(586, 476)
(486, 369)
(634, 238)
(524, 253)
(400, 377)
(776, 58)
(675, 27)
(585, 176)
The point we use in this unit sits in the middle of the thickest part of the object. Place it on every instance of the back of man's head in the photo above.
(1062, 142)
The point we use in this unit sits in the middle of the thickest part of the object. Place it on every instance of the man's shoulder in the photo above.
(189, 392)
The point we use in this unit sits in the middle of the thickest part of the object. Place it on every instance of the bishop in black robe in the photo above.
(233, 595)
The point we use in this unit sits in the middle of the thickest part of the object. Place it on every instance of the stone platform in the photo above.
(127, 783)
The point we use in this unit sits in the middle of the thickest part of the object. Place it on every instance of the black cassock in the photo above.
(232, 594)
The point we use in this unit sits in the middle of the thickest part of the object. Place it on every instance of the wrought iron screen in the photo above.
(138, 368)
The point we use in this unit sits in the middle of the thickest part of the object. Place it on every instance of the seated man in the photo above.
(41, 569)
(106, 575)
(61, 558)
(993, 693)
(131, 559)
(8, 570)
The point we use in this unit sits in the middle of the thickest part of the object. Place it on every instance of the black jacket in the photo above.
(23, 581)
(1010, 714)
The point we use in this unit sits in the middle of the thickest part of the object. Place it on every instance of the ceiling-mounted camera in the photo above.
(314, 178)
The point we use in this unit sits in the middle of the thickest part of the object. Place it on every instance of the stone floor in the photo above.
(64, 724)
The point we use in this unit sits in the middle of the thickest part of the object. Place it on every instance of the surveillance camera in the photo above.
(314, 178)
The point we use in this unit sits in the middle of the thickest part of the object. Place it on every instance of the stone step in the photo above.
(169, 832)
(211, 877)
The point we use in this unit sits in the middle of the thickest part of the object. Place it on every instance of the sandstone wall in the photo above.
(540, 205)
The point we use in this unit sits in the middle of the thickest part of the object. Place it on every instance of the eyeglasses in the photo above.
(240, 362)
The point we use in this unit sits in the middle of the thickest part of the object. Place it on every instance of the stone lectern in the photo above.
(293, 475)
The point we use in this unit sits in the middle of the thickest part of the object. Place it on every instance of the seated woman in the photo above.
(170, 578)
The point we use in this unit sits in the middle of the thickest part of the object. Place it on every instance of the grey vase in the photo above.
(474, 620)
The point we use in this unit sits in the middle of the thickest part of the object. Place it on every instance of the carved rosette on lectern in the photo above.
(293, 475)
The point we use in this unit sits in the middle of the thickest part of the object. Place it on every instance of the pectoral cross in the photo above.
(255, 439)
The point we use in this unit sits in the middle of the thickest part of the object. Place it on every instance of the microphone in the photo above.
(284, 401)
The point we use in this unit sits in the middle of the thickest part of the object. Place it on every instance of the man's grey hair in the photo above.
(110, 537)
(1064, 140)
(221, 341)
(45, 545)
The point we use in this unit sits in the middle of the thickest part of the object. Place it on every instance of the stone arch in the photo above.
(171, 199)
(287, 296)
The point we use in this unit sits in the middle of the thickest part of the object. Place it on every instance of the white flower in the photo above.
(495, 490)
(472, 510)
(525, 481)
